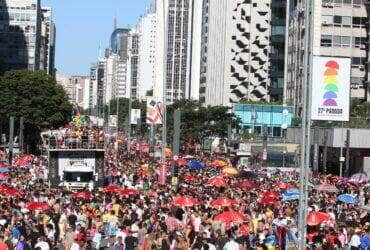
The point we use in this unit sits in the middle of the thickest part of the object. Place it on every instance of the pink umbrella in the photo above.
(217, 181)
(223, 202)
(359, 178)
(185, 201)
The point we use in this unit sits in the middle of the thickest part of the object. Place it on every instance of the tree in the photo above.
(36, 97)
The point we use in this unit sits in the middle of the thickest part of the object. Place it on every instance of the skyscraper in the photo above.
(47, 41)
(119, 42)
(178, 47)
(237, 54)
(133, 62)
(147, 37)
(340, 29)
(20, 34)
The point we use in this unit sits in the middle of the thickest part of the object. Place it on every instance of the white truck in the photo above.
(78, 175)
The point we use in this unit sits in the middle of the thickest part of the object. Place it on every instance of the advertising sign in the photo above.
(330, 88)
(154, 111)
(135, 116)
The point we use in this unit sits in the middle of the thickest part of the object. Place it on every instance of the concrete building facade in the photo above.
(178, 48)
(242, 51)
(339, 29)
(147, 36)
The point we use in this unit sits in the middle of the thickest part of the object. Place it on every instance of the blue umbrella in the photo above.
(347, 198)
(4, 170)
(195, 165)
(291, 195)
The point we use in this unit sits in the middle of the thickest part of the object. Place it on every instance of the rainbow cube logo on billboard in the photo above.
(331, 83)
(330, 88)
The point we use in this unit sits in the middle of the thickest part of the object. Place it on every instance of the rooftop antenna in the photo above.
(115, 21)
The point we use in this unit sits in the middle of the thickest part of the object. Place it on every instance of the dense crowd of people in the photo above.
(208, 205)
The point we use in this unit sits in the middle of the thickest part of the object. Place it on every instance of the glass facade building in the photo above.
(278, 23)
(254, 116)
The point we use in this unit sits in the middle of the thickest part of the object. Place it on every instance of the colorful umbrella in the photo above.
(316, 218)
(195, 165)
(326, 188)
(39, 206)
(185, 201)
(271, 194)
(217, 181)
(4, 170)
(223, 202)
(245, 184)
(82, 195)
(230, 217)
(13, 192)
(289, 196)
(23, 161)
(347, 198)
(219, 163)
(4, 165)
(4, 176)
(244, 230)
(359, 178)
(112, 188)
(128, 192)
(268, 201)
(182, 162)
(189, 178)
(230, 171)
(3, 188)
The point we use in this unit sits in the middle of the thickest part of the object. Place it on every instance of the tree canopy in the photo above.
(37, 98)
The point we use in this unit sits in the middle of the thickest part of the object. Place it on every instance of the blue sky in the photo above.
(84, 24)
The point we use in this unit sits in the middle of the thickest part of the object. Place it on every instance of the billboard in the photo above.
(135, 116)
(154, 111)
(330, 88)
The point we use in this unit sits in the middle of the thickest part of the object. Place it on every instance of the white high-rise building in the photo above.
(178, 48)
(236, 51)
(147, 37)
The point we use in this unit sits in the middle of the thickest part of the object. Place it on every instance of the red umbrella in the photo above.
(189, 178)
(268, 200)
(4, 165)
(128, 191)
(326, 188)
(4, 188)
(82, 195)
(223, 202)
(230, 217)
(3, 176)
(185, 201)
(40, 206)
(316, 218)
(13, 192)
(182, 162)
(244, 230)
(271, 194)
(246, 185)
(112, 188)
(283, 185)
(217, 181)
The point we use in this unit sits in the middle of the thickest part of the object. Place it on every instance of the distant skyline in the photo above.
(84, 25)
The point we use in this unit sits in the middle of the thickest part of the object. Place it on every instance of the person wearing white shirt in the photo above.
(355, 241)
(231, 245)
(43, 245)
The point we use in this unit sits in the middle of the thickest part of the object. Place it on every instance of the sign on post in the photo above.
(135, 116)
(154, 111)
(331, 88)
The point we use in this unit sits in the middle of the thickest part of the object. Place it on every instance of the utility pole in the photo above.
(176, 147)
(264, 146)
(348, 140)
(21, 139)
(11, 135)
(306, 126)
(164, 115)
(341, 158)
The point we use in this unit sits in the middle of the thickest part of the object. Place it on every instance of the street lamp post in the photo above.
(164, 129)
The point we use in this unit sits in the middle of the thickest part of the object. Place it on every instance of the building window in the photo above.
(346, 41)
(346, 21)
(326, 40)
(336, 41)
(327, 20)
(337, 20)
